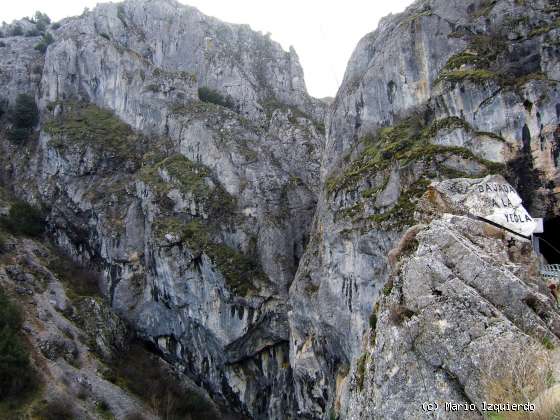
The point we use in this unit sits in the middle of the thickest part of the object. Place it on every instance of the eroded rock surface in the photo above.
(183, 158)
(444, 90)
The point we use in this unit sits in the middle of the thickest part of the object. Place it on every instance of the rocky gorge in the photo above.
(275, 256)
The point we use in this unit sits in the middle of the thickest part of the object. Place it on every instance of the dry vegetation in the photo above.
(526, 377)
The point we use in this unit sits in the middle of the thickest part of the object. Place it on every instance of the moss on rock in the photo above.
(85, 125)
(406, 142)
(477, 76)
(242, 273)
(190, 178)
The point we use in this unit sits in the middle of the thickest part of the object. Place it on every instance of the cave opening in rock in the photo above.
(549, 242)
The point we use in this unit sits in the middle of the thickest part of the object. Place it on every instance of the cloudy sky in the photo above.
(323, 32)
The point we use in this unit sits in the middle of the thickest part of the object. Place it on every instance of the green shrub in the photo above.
(144, 375)
(361, 371)
(78, 281)
(16, 31)
(58, 409)
(32, 32)
(41, 18)
(388, 288)
(205, 94)
(373, 320)
(55, 26)
(10, 315)
(104, 409)
(45, 42)
(24, 219)
(24, 116)
(16, 376)
(547, 343)
(18, 135)
(25, 113)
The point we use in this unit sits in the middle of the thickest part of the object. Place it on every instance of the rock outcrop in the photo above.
(196, 210)
(446, 89)
(77, 341)
(289, 272)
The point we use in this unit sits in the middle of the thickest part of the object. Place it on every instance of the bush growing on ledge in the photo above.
(16, 31)
(41, 19)
(205, 94)
(45, 42)
(25, 113)
(24, 116)
(78, 281)
(84, 125)
(24, 219)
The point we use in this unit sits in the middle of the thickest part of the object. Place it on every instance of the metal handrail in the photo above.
(551, 270)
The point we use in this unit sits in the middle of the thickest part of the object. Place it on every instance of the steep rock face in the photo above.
(469, 60)
(76, 343)
(253, 70)
(462, 304)
(197, 213)
(443, 90)
(21, 67)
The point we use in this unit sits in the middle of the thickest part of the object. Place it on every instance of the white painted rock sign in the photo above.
(491, 198)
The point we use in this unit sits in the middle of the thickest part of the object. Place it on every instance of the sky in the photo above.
(323, 32)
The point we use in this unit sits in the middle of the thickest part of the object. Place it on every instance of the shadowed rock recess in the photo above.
(269, 255)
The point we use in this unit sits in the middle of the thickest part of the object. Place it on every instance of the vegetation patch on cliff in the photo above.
(82, 124)
(406, 142)
(148, 377)
(17, 377)
(472, 75)
(242, 273)
(402, 213)
(191, 179)
(23, 117)
(272, 104)
(24, 219)
(541, 30)
(205, 94)
(487, 57)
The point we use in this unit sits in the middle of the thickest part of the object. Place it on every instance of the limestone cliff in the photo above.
(447, 89)
(179, 155)
(289, 272)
